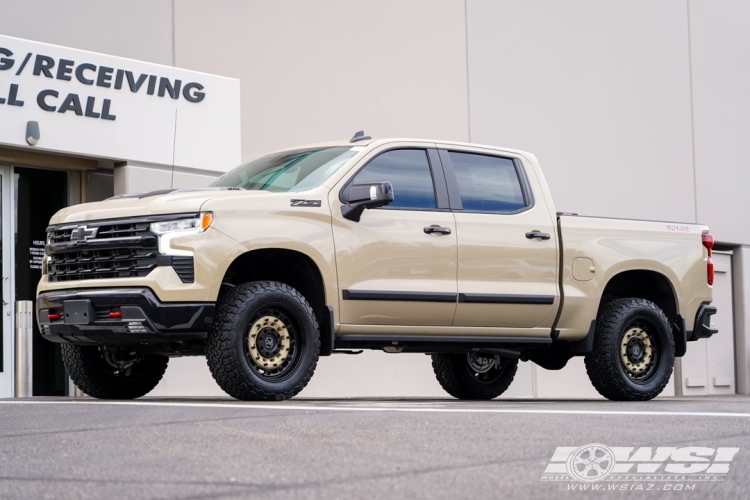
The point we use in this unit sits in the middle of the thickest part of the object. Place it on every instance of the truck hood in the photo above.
(166, 201)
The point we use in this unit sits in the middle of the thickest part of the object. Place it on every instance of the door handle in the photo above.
(437, 229)
(537, 234)
(5, 294)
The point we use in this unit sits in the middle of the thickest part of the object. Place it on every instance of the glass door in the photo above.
(6, 294)
(38, 194)
(28, 198)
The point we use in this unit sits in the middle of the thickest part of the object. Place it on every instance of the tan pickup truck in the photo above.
(449, 249)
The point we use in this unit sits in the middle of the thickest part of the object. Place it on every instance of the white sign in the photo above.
(115, 108)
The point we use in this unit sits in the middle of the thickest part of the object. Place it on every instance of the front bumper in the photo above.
(139, 317)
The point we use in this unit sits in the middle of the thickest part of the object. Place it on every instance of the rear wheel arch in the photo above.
(643, 284)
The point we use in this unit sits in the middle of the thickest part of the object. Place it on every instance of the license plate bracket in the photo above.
(78, 312)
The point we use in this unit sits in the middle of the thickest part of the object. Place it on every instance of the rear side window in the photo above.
(409, 172)
(487, 183)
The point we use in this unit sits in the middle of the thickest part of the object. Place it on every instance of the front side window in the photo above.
(297, 170)
(408, 171)
(487, 183)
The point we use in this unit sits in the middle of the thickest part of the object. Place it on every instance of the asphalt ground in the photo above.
(350, 448)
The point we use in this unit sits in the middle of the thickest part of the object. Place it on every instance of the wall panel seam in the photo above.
(174, 45)
(692, 114)
(468, 89)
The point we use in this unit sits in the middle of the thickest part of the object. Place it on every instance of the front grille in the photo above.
(64, 234)
(122, 230)
(61, 235)
(124, 248)
(100, 250)
(99, 264)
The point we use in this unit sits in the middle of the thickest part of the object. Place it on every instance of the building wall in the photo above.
(719, 44)
(634, 109)
(590, 88)
(138, 29)
(313, 71)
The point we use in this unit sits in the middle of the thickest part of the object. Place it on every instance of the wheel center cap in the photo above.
(269, 342)
(635, 350)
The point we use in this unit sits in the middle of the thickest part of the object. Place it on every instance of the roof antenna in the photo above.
(360, 136)
(174, 145)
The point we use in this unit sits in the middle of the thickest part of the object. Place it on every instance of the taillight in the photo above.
(708, 242)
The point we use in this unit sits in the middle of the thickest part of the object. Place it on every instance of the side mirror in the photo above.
(366, 195)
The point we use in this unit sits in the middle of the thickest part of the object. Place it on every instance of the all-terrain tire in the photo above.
(607, 364)
(228, 351)
(456, 377)
(97, 378)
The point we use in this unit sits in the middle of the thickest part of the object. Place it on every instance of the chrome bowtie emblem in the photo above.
(83, 233)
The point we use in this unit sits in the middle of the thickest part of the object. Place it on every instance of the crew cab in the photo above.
(401, 245)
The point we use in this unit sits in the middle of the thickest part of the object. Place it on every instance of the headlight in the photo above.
(199, 223)
(170, 229)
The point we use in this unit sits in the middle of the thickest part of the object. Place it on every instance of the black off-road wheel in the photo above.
(112, 373)
(264, 342)
(474, 376)
(633, 354)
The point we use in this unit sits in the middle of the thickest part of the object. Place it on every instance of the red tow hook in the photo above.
(54, 316)
(115, 314)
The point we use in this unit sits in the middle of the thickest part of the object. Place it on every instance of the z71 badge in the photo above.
(305, 203)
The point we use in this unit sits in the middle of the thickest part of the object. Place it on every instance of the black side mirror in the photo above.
(366, 195)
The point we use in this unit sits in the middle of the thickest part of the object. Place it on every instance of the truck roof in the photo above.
(378, 141)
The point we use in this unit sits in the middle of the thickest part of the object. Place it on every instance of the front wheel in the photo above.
(264, 342)
(473, 375)
(633, 353)
(112, 373)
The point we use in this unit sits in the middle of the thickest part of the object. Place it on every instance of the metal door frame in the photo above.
(8, 281)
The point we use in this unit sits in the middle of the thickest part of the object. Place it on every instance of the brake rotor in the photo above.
(268, 342)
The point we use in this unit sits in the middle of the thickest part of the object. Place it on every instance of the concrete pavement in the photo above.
(350, 448)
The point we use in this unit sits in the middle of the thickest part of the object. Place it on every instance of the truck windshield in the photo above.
(295, 170)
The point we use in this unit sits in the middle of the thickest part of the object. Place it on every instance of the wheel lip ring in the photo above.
(297, 353)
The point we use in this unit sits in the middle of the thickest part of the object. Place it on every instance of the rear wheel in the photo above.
(264, 343)
(633, 353)
(112, 373)
(473, 375)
